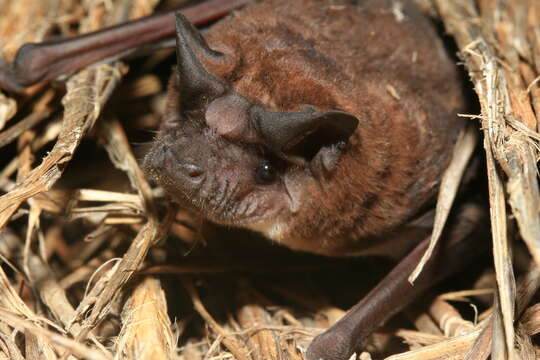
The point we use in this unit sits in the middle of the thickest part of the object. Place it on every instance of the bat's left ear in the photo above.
(195, 83)
(299, 136)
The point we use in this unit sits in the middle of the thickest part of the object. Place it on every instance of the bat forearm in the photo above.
(395, 292)
(47, 60)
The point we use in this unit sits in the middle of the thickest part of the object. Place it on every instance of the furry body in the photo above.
(385, 65)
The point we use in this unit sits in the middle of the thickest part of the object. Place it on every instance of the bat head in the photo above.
(230, 158)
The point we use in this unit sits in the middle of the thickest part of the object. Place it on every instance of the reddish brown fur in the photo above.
(337, 55)
(393, 75)
(365, 65)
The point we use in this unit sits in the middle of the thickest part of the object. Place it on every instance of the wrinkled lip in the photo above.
(199, 205)
(233, 221)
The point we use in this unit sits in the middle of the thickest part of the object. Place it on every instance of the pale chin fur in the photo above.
(272, 229)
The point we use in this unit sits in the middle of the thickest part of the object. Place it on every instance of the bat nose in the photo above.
(192, 171)
(179, 165)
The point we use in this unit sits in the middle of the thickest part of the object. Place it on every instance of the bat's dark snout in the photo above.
(185, 171)
(182, 168)
(191, 172)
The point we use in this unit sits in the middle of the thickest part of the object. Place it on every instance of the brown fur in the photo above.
(356, 56)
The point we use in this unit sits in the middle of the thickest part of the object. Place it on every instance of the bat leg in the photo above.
(47, 60)
(456, 249)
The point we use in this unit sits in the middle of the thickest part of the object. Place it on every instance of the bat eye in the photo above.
(265, 173)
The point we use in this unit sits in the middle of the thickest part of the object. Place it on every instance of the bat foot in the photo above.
(333, 344)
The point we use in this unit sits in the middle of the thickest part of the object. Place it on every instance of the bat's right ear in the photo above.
(299, 136)
(196, 86)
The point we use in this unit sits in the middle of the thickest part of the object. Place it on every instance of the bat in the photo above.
(323, 125)
(287, 114)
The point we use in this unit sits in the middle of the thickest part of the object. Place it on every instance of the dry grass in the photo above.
(85, 272)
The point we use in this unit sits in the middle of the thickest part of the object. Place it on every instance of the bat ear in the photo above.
(196, 85)
(299, 136)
